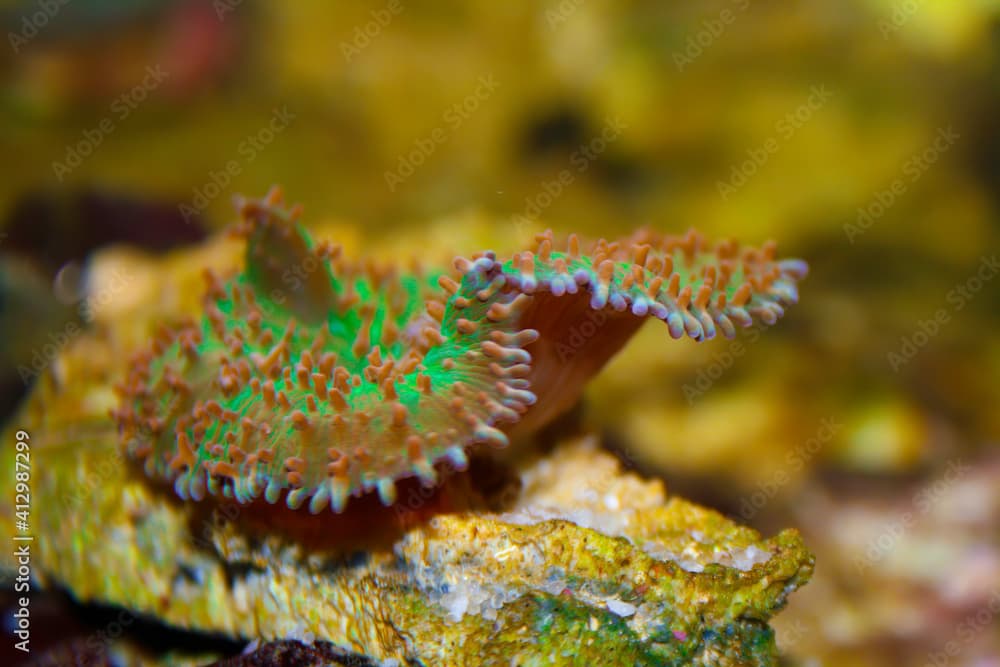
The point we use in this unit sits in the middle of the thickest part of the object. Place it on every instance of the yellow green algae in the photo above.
(585, 564)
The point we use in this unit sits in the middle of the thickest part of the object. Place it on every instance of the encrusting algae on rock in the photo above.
(355, 382)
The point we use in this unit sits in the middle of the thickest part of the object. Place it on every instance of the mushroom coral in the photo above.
(315, 378)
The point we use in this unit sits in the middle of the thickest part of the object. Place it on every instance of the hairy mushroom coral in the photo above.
(353, 376)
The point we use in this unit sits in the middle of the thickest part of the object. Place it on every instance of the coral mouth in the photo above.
(311, 378)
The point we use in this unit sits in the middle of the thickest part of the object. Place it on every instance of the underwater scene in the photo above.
(573, 332)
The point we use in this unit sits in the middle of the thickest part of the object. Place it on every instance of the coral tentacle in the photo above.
(314, 378)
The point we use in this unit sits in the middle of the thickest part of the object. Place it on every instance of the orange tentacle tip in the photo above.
(354, 376)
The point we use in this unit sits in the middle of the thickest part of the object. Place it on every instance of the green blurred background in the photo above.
(863, 135)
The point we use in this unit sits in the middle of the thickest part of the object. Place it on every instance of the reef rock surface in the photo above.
(555, 558)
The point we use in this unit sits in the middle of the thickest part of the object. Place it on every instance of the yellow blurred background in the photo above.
(863, 135)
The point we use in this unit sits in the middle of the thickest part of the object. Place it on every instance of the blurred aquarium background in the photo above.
(862, 135)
